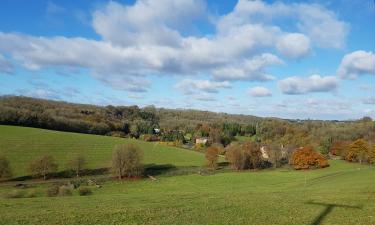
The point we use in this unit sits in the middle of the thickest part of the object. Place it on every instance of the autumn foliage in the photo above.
(339, 148)
(308, 158)
(358, 151)
(212, 155)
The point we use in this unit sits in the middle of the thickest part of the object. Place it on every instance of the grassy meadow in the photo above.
(343, 193)
(23, 144)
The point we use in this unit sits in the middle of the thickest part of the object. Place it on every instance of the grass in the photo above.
(22, 144)
(344, 194)
(340, 194)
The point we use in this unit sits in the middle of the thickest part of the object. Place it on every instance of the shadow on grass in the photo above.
(327, 210)
(67, 174)
(169, 170)
(154, 169)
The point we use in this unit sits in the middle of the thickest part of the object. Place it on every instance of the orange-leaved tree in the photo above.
(358, 151)
(308, 158)
(338, 148)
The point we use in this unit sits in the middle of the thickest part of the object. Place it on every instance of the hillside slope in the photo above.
(21, 145)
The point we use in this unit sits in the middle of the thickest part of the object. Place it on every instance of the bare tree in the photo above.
(126, 161)
(43, 166)
(5, 170)
(77, 164)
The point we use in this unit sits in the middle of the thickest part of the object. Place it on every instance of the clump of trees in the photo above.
(43, 166)
(126, 161)
(212, 156)
(5, 169)
(245, 156)
(129, 121)
(308, 158)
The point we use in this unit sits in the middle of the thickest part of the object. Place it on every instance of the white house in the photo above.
(201, 140)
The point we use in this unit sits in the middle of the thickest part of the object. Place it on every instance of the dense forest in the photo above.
(181, 126)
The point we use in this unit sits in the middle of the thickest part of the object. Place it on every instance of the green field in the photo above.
(344, 193)
(22, 144)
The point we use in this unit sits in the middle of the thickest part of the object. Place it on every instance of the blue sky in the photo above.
(289, 59)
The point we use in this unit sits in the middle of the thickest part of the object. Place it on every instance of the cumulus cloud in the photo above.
(314, 20)
(293, 45)
(260, 92)
(189, 86)
(302, 85)
(149, 38)
(356, 64)
(251, 69)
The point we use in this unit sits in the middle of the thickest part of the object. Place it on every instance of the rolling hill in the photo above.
(22, 144)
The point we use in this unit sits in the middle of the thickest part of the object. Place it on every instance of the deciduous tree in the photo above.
(212, 156)
(126, 161)
(42, 166)
(77, 164)
(308, 158)
(358, 151)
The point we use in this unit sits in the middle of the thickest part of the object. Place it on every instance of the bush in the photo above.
(308, 158)
(53, 191)
(14, 194)
(31, 194)
(65, 190)
(82, 191)
(5, 170)
(126, 161)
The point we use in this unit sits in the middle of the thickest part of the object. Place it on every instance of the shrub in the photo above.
(308, 158)
(5, 170)
(126, 161)
(212, 155)
(65, 190)
(14, 194)
(52, 191)
(82, 191)
(31, 194)
(43, 166)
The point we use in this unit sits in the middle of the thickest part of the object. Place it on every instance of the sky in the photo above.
(289, 59)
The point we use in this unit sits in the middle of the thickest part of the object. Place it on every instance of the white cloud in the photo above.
(189, 86)
(251, 69)
(293, 45)
(260, 92)
(313, 20)
(356, 64)
(302, 85)
(149, 38)
(5, 65)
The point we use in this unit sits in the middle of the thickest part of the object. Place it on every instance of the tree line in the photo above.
(181, 126)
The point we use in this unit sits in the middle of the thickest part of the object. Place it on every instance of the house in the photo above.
(265, 155)
(201, 140)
